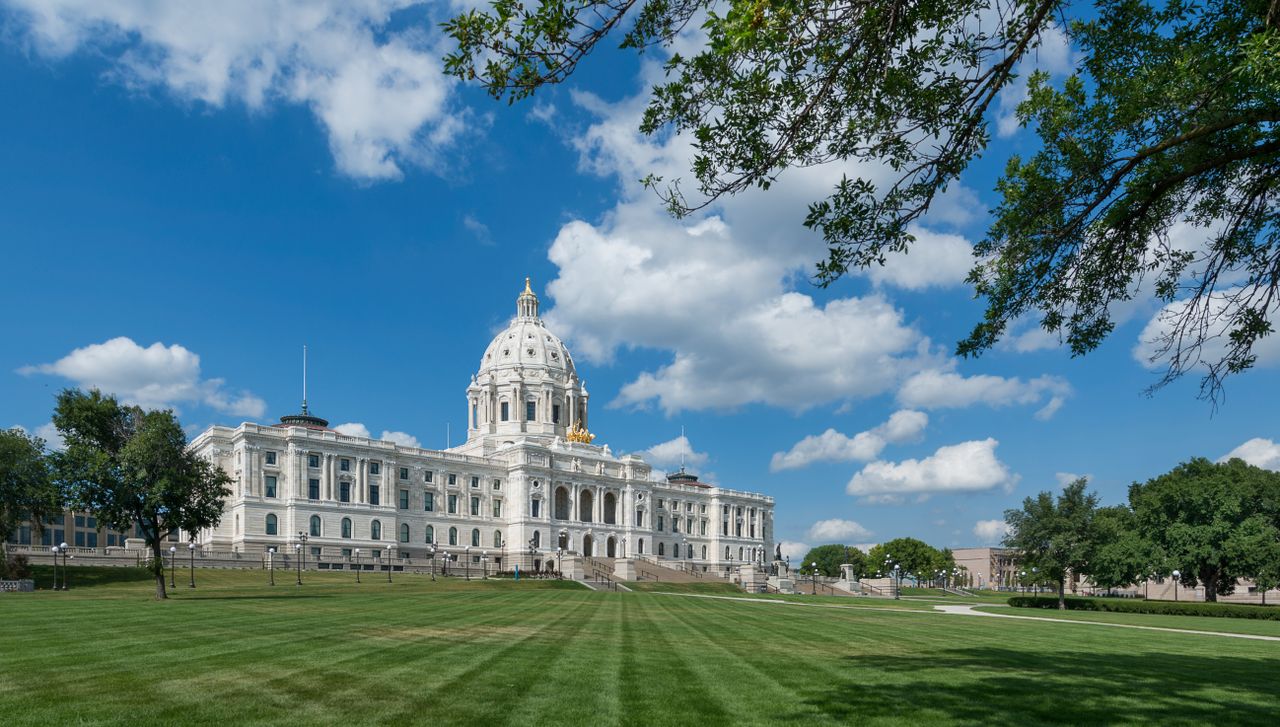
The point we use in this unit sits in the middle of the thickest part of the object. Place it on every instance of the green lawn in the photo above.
(1196, 623)
(236, 651)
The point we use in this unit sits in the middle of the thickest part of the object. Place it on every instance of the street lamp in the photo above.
(686, 552)
(357, 552)
(191, 548)
(433, 561)
(302, 539)
(1035, 579)
(484, 565)
(813, 574)
(271, 564)
(173, 557)
(297, 552)
(467, 553)
(66, 571)
(1024, 581)
(388, 563)
(897, 575)
(54, 550)
(1176, 575)
(559, 553)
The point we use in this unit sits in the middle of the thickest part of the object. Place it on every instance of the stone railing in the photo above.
(22, 586)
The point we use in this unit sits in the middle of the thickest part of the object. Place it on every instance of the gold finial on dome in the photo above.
(527, 302)
(579, 434)
(527, 289)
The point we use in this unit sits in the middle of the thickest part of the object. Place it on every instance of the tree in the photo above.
(1258, 552)
(1208, 520)
(1056, 538)
(26, 488)
(914, 557)
(1168, 121)
(131, 468)
(1122, 555)
(829, 559)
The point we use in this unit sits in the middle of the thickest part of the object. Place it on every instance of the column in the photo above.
(300, 467)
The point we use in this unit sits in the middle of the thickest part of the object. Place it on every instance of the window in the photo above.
(660, 502)
(373, 494)
(659, 522)
(271, 524)
(453, 480)
(271, 457)
(703, 531)
(313, 489)
(346, 552)
(344, 492)
(453, 536)
(537, 539)
(431, 535)
(702, 509)
(724, 528)
(662, 548)
(375, 468)
(475, 483)
(404, 499)
(79, 521)
(688, 525)
(404, 532)
(497, 538)
(555, 413)
(475, 507)
(344, 465)
(505, 414)
(375, 530)
(675, 524)
(79, 537)
(315, 552)
(688, 507)
(704, 552)
(535, 508)
(641, 550)
(271, 485)
(475, 537)
(453, 504)
(346, 527)
(497, 485)
(315, 526)
(428, 476)
(404, 473)
(428, 501)
(639, 518)
(530, 411)
(497, 508)
(313, 460)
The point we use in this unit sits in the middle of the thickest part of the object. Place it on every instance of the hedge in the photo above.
(1168, 608)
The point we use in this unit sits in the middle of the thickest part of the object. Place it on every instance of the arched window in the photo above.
(431, 535)
(404, 532)
(475, 537)
(610, 508)
(641, 549)
(346, 527)
(726, 552)
(453, 536)
(497, 538)
(740, 553)
(662, 548)
(271, 524)
(585, 502)
(704, 552)
(562, 503)
(315, 526)
(537, 538)
(375, 530)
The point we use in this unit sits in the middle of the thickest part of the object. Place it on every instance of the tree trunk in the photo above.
(1062, 593)
(157, 568)
(1209, 577)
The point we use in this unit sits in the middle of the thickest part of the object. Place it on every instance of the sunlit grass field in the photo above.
(237, 651)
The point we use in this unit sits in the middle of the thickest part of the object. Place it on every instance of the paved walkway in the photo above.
(968, 611)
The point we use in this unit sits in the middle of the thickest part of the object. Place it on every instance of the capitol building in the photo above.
(528, 485)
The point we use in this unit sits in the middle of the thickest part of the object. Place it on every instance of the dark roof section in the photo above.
(684, 478)
(304, 419)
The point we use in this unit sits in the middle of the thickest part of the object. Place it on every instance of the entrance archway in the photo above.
(586, 546)
(610, 548)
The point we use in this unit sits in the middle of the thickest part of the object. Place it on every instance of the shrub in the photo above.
(1168, 608)
(17, 568)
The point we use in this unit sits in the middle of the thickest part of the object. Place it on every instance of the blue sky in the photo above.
(187, 200)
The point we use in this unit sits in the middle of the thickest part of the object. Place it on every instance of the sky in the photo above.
(190, 192)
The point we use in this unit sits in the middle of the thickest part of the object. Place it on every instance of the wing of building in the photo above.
(527, 482)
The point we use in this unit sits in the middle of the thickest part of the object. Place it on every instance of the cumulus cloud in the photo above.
(671, 453)
(378, 91)
(832, 446)
(794, 550)
(990, 531)
(938, 389)
(155, 377)
(966, 467)
(836, 530)
(1221, 306)
(1066, 478)
(1258, 452)
(934, 260)
(357, 429)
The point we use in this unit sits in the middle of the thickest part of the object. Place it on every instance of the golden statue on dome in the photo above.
(579, 434)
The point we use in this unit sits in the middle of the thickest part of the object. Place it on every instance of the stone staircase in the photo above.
(650, 571)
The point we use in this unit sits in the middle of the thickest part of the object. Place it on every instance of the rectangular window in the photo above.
(79, 521)
(453, 480)
(91, 539)
(404, 473)
(475, 483)
(270, 485)
(497, 485)
(675, 524)
(702, 509)
(505, 414)
(688, 507)
(688, 525)
(724, 528)
(703, 530)
(79, 539)
(404, 499)
(91, 522)
(375, 468)
(346, 552)
(111, 539)
(660, 502)
(271, 457)
(373, 494)
(497, 508)
(453, 504)
(475, 506)
(428, 501)
(530, 411)
(535, 508)
(313, 489)
(313, 460)
(429, 476)
(639, 518)
(344, 465)
(555, 413)
(659, 522)
(344, 492)
(315, 552)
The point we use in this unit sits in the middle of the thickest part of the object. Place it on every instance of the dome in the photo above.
(526, 344)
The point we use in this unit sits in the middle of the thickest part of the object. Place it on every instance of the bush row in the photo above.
(1170, 608)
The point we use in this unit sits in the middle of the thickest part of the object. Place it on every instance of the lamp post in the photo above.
(357, 552)
(897, 576)
(813, 576)
(484, 565)
(686, 553)
(173, 557)
(191, 548)
(302, 539)
(388, 563)
(271, 564)
(432, 551)
(1023, 579)
(467, 554)
(297, 559)
(1035, 579)
(54, 550)
(1176, 575)
(66, 571)
(559, 553)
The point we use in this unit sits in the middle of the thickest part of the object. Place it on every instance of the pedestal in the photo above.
(624, 569)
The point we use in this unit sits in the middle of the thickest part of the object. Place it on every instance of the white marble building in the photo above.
(526, 482)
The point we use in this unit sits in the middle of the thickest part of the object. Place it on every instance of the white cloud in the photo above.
(378, 91)
(990, 531)
(1216, 335)
(671, 453)
(357, 429)
(832, 446)
(794, 550)
(155, 377)
(836, 530)
(1052, 55)
(966, 467)
(934, 389)
(1258, 452)
(934, 260)
(51, 436)
(1066, 478)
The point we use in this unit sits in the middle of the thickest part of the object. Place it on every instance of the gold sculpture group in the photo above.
(579, 434)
